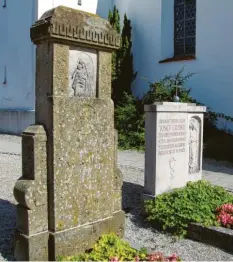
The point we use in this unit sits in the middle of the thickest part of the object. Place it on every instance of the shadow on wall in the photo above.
(7, 226)
(103, 8)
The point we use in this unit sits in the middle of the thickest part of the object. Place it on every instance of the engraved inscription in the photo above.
(194, 145)
(172, 164)
(82, 71)
(171, 136)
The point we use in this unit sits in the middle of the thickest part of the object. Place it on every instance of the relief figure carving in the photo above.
(83, 77)
(194, 145)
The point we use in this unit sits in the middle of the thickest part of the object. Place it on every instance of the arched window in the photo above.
(184, 27)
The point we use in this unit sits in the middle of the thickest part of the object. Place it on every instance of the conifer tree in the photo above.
(122, 62)
(114, 19)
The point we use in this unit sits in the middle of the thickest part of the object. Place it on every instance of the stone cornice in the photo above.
(70, 25)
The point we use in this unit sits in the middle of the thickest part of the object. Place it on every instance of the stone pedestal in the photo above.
(174, 144)
(74, 106)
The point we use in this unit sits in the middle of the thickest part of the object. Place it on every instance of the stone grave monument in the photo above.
(174, 144)
(70, 191)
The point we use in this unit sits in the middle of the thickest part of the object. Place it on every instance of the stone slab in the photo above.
(174, 144)
(75, 240)
(217, 236)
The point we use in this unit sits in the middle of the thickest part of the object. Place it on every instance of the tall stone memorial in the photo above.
(174, 143)
(70, 192)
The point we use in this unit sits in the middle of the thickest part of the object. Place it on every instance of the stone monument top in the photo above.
(75, 26)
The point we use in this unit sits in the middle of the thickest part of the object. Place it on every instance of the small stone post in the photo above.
(70, 192)
(174, 144)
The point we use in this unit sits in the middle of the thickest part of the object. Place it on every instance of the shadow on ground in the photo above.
(7, 225)
(132, 204)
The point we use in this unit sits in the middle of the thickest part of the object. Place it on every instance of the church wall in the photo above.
(213, 82)
(17, 58)
(153, 30)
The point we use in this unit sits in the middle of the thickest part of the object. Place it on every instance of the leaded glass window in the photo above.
(185, 27)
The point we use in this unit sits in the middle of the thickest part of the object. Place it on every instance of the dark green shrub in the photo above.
(130, 124)
(129, 113)
(123, 73)
(197, 202)
(165, 89)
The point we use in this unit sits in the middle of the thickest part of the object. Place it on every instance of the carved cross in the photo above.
(177, 87)
(176, 98)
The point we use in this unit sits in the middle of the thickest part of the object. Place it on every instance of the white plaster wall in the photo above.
(103, 7)
(145, 18)
(153, 29)
(213, 82)
(87, 5)
(16, 52)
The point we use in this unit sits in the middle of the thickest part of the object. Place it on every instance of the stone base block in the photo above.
(33, 248)
(216, 236)
(79, 239)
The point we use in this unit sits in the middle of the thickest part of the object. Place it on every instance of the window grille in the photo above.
(184, 27)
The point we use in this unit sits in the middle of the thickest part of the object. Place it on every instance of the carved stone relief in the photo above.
(82, 72)
(194, 145)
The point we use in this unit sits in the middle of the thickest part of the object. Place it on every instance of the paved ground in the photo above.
(219, 173)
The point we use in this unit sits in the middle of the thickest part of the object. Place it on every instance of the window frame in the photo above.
(184, 53)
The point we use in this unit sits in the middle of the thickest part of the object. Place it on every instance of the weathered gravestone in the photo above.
(174, 143)
(70, 192)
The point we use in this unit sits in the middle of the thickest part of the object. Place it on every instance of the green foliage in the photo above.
(122, 61)
(110, 246)
(129, 116)
(130, 124)
(197, 202)
(165, 89)
(114, 20)
(129, 113)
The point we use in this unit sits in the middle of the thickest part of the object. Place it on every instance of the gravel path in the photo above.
(140, 233)
(9, 138)
(10, 171)
(137, 231)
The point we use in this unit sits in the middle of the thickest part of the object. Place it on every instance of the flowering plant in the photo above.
(158, 256)
(225, 215)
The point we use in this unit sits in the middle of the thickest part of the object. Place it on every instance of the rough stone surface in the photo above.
(31, 194)
(73, 104)
(75, 27)
(174, 143)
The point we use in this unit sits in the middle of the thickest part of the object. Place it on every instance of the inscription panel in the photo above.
(171, 136)
(82, 72)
